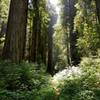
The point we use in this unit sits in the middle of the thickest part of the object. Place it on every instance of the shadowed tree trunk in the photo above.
(98, 9)
(69, 13)
(50, 67)
(14, 47)
(36, 33)
(73, 35)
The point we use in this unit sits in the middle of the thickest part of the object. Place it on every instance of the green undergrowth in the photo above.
(25, 81)
(86, 86)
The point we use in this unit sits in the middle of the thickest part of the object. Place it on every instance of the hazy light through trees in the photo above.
(57, 7)
(55, 3)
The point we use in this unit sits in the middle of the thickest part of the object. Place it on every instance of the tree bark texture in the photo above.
(14, 47)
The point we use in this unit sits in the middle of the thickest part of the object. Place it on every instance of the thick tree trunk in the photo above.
(16, 31)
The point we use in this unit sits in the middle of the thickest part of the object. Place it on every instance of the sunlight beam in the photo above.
(55, 3)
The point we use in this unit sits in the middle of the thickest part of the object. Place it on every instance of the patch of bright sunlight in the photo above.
(67, 73)
(55, 3)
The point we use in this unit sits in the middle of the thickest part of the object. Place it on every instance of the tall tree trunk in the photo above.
(14, 47)
(39, 46)
(44, 47)
(98, 9)
(36, 33)
(72, 35)
(50, 67)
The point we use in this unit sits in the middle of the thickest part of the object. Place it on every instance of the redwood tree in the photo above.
(14, 46)
(36, 32)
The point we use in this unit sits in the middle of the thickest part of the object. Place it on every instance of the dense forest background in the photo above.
(49, 49)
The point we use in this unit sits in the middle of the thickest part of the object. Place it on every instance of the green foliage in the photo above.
(91, 69)
(85, 95)
(88, 27)
(24, 82)
(27, 95)
(92, 64)
(70, 88)
(4, 7)
(83, 87)
(16, 76)
(8, 95)
(46, 93)
(60, 49)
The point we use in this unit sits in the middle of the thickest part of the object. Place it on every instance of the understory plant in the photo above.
(85, 86)
(24, 81)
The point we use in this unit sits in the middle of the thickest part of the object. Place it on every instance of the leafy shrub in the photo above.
(88, 63)
(85, 95)
(91, 72)
(24, 81)
(79, 85)
(27, 95)
(18, 95)
(86, 86)
(70, 89)
(15, 76)
(23, 76)
(46, 93)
